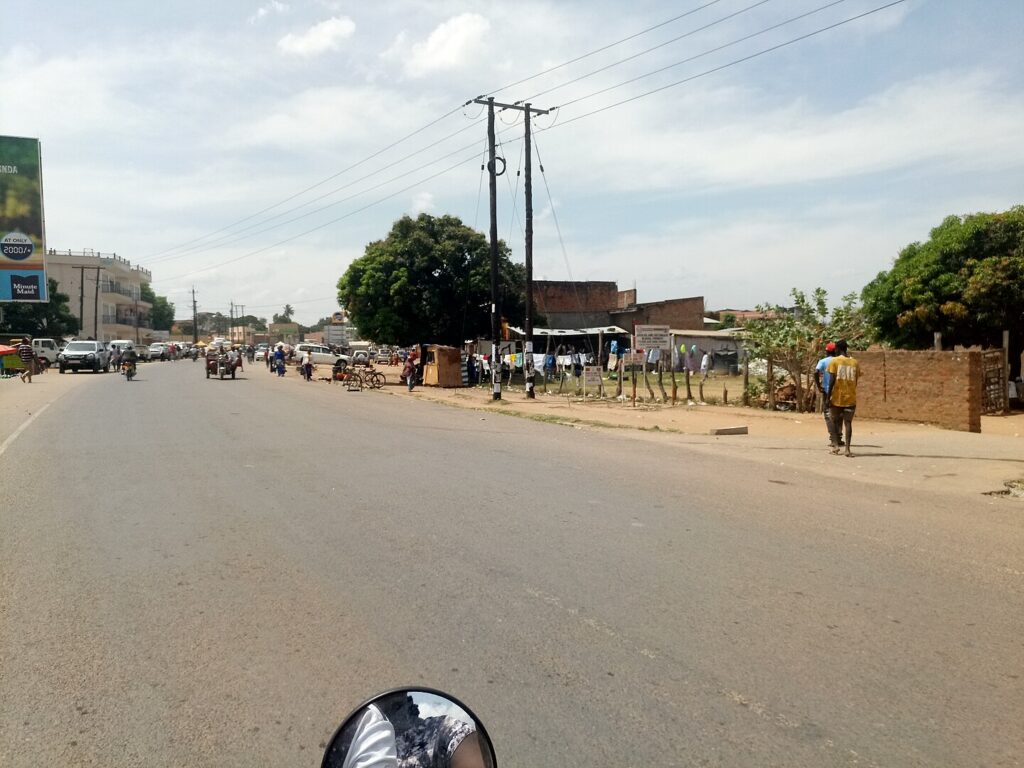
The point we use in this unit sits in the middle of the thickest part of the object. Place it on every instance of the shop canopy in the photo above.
(608, 329)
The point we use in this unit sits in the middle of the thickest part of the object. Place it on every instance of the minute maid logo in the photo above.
(16, 246)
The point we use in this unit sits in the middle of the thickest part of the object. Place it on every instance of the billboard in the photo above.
(22, 241)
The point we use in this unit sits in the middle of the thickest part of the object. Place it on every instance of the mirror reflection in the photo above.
(410, 729)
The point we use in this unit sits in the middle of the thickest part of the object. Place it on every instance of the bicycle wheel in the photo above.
(354, 382)
(377, 380)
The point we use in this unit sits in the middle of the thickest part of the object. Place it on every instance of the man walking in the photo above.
(845, 373)
(27, 357)
(823, 381)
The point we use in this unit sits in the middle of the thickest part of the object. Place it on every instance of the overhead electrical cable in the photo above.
(427, 126)
(721, 67)
(645, 51)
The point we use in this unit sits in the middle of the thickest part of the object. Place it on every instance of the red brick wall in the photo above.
(942, 388)
(568, 296)
(682, 314)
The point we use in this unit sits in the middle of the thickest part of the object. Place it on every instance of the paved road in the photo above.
(223, 569)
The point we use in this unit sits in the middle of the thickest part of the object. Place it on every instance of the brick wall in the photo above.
(569, 296)
(683, 314)
(942, 388)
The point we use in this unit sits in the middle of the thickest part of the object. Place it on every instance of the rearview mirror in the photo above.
(411, 728)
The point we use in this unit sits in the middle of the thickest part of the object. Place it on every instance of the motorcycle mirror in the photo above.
(411, 728)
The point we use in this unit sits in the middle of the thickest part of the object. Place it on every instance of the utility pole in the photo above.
(81, 299)
(195, 318)
(231, 321)
(96, 308)
(492, 168)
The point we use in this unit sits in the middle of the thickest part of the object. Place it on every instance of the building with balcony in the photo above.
(106, 293)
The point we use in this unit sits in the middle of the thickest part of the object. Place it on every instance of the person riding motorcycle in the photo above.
(129, 358)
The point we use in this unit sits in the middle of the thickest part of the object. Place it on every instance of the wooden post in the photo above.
(725, 394)
(689, 393)
(620, 372)
(700, 390)
(600, 364)
(746, 379)
(632, 360)
(771, 385)
(1006, 372)
(671, 354)
(937, 341)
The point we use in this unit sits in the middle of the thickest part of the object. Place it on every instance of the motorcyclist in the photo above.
(129, 358)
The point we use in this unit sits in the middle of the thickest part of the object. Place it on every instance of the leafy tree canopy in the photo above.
(966, 281)
(52, 319)
(429, 281)
(795, 338)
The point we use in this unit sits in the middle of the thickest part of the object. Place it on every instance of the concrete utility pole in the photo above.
(493, 172)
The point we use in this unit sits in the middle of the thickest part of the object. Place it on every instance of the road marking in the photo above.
(7, 443)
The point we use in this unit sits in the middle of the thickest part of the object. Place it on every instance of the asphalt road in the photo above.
(211, 573)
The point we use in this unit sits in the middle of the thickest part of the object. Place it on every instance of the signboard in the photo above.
(652, 337)
(339, 318)
(591, 378)
(22, 241)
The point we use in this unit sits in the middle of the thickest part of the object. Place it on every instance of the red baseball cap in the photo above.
(830, 347)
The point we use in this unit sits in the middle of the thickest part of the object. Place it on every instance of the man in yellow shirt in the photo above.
(845, 372)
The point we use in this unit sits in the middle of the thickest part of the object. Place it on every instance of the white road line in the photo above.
(7, 443)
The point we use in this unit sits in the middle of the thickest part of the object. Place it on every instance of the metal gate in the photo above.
(994, 388)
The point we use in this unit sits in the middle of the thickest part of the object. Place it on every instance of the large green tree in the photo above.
(794, 338)
(52, 319)
(429, 281)
(966, 281)
(161, 316)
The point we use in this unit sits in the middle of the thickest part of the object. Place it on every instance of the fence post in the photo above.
(746, 379)
(771, 385)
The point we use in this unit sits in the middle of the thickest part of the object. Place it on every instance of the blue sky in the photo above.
(812, 165)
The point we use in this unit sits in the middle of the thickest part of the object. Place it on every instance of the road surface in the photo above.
(200, 572)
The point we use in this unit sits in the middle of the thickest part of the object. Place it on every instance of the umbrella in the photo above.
(200, 344)
(6, 350)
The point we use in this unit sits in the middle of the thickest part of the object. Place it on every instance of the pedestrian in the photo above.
(279, 360)
(409, 371)
(705, 366)
(307, 365)
(28, 360)
(845, 373)
(269, 359)
(823, 381)
(115, 359)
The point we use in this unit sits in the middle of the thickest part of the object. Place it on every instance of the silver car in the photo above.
(84, 356)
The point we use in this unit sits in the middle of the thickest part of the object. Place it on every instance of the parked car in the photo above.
(321, 355)
(84, 355)
(46, 348)
(261, 351)
(142, 350)
(158, 351)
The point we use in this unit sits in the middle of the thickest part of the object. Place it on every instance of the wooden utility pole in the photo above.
(81, 299)
(492, 168)
(195, 318)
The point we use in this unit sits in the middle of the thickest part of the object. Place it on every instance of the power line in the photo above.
(644, 52)
(606, 47)
(708, 52)
(320, 183)
(425, 127)
(235, 236)
(327, 223)
(723, 66)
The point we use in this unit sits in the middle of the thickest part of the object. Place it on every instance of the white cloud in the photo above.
(963, 119)
(274, 6)
(422, 202)
(453, 44)
(322, 37)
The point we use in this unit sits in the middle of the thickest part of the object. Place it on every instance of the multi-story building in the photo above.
(106, 293)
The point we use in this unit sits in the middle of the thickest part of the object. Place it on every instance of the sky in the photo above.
(251, 150)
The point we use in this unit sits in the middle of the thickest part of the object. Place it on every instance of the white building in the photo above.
(105, 293)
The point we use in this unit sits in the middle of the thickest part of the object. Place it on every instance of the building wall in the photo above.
(551, 296)
(942, 388)
(111, 315)
(577, 319)
(675, 313)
